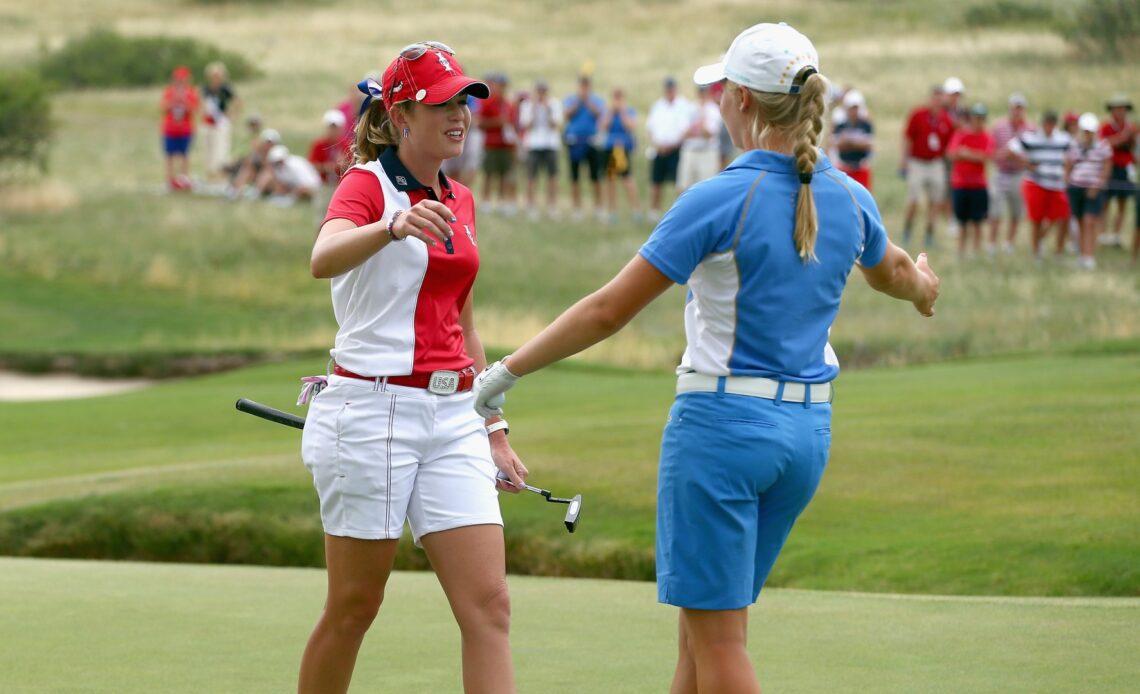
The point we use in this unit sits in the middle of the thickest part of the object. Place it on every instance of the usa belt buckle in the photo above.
(444, 382)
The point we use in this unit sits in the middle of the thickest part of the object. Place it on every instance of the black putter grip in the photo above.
(274, 415)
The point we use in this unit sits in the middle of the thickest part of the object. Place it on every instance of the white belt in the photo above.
(754, 386)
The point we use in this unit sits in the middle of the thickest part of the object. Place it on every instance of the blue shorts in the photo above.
(175, 145)
(1081, 203)
(736, 472)
(970, 204)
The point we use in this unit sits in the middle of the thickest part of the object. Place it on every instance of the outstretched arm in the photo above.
(898, 276)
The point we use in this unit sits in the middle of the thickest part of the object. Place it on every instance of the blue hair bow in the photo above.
(371, 90)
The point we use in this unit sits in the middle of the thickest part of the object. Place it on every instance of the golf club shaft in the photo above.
(269, 413)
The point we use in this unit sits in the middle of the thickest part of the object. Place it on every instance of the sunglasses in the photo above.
(415, 51)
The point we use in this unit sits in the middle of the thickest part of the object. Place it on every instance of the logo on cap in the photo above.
(443, 61)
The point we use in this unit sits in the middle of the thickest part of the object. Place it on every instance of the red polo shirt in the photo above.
(929, 134)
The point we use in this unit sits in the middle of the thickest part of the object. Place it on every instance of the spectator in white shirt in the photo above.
(700, 151)
(669, 120)
(294, 177)
(541, 119)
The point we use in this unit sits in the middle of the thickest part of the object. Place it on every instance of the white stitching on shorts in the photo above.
(388, 487)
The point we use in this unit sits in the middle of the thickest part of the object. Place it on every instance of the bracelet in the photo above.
(392, 223)
(500, 425)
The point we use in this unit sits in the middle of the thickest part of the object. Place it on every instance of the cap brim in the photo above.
(709, 74)
(446, 89)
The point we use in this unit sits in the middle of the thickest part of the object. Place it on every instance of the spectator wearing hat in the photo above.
(1120, 134)
(581, 112)
(1088, 165)
(1005, 192)
(928, 131)
(327, 153)
(971, 149)
(618, 125)
(700, 150)
(496, 120)
(293, 176)
(669, 120)
(853, 139)
(180, 102)
(953, 99)
(220, 105)
(1042, 153)
(540, 119)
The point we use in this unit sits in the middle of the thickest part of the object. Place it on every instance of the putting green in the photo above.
(127, 627)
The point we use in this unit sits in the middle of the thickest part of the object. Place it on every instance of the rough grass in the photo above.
(123, 628)
(1012, 477)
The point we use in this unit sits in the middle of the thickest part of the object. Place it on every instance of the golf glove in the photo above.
(490, 386)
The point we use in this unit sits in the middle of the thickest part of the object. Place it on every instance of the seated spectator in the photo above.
(853, 139)
(252, 174)
(1043, 156)
(971, 149)
(1088, 165)
(619, 125)
(700, 150)
(292, 177)
(668, 121)
(540, 120)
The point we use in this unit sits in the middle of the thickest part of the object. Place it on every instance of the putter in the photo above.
(291, 420)
(572, 513)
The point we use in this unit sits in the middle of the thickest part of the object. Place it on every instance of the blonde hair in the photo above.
(217, 67)
(799, 118)
(375, 132)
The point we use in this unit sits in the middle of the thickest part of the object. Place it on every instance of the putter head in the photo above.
(572, 513)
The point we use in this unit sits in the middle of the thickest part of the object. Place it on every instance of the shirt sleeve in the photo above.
(358, 199)
(875, 239)
(687, 234)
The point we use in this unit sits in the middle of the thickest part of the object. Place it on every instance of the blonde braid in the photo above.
(808, 132)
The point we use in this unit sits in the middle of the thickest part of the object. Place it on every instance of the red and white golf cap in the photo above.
(427, 73)
(764, 57)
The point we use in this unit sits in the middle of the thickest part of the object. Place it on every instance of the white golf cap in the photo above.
(277, 153)
(854, 98)
(1088, 122)
(270, 135)
(765, 57)
(953, 85)
(333, 117)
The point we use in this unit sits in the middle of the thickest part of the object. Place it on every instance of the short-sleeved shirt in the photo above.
(179, 105)
(708, 115)
(755, 308)
(929, 133)
(618, 135)
(297, 172)
(1046, 155)
(668, 121)
(216, 102)
(1121, 154)
(496, 137)
(861, 131)
(1088, 163)
(581, 122)
(398, 311)
(326, 150)
(970, 175)
(1004, 131)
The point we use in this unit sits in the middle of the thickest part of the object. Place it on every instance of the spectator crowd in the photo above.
(1072, 176)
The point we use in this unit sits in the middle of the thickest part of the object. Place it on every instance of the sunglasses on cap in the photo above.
(415, 51)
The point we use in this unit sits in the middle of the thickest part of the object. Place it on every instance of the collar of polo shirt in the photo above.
(403, 179)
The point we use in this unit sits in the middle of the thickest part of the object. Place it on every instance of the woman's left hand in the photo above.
(508, 463)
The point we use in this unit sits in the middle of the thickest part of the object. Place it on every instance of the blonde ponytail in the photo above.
(797, 118)
(375, 132)
(812, 104)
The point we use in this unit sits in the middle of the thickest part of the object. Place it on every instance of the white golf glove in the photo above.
(490, 386)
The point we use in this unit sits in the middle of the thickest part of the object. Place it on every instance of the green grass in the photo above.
(122, 627)
(1014, 476)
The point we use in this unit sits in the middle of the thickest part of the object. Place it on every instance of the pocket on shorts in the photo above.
(746, 422)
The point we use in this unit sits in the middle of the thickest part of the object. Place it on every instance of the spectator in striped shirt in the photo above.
(1005, 192)
(1087, 166)
(1043, 155)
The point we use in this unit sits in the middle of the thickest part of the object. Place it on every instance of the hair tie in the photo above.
(371, 90)
(805, 178)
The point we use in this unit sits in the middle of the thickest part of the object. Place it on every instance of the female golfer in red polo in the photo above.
(394, 437)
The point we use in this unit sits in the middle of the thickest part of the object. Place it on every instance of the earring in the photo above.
(406, 133)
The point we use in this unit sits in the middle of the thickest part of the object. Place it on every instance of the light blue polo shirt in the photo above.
(755, 308)
(582, 124)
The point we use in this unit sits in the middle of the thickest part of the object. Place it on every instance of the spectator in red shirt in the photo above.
(179, 106)
(1120, 134)
(927, 132)
(496, 120)
(328, 153)
(971, 148)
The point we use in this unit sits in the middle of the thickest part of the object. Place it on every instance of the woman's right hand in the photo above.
(427, 220)
(925, 304)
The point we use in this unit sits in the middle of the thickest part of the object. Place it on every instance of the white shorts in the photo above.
(217, 145)
(1005, 196)
(696, 165)
(380, 454)
(926, 177)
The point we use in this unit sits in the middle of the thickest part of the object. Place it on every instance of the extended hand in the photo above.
(925, 305)
(427, 220)
(490, 387)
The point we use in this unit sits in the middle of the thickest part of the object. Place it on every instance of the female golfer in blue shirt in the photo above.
(766, 247)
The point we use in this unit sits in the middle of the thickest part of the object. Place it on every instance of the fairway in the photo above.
(125, 627)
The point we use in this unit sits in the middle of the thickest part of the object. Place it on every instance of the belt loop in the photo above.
(378, 382)
(720, 381)
(779, 394)
(807, 396)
